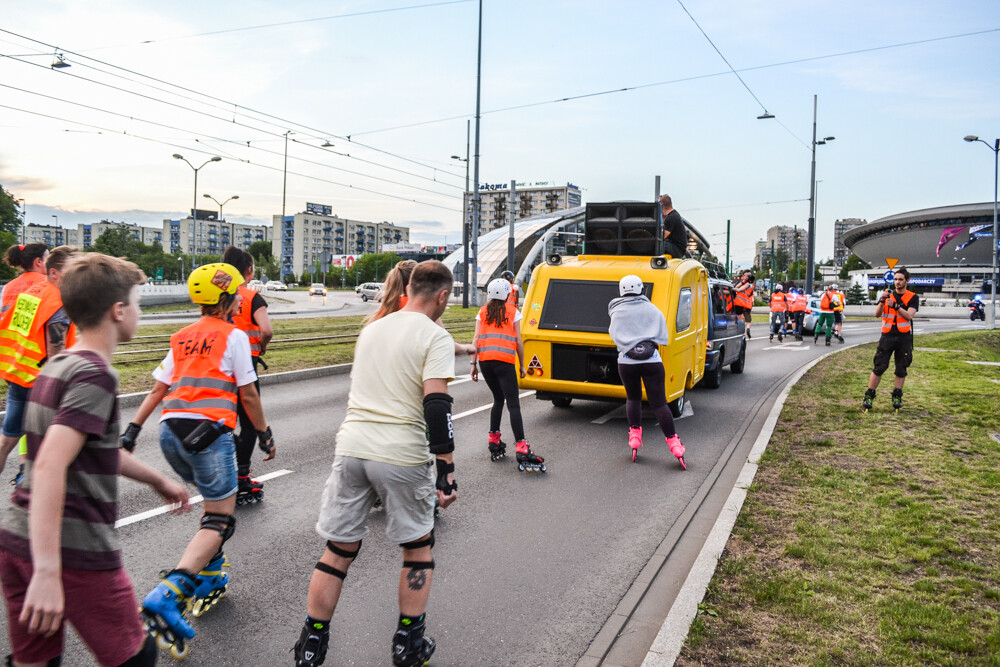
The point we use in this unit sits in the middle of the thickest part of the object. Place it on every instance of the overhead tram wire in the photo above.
(669, 82)
(275, 135)
(222, 139)
(283, 123)
(203, 152)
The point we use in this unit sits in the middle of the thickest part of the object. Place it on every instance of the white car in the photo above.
(317, 289)
(255, 285)
(276, 286)
(369, 290)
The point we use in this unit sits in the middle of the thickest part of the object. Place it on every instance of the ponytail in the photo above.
(23, 256)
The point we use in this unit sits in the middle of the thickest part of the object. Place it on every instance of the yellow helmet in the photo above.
(208, 283)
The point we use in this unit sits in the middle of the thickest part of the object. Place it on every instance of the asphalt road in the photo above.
(291, 304)
(532, 569)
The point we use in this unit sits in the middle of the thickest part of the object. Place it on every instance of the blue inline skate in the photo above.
(211, 587)
(162, 613)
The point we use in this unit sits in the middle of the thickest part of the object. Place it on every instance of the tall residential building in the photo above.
(50, 235)
(793, 240)
(213, 235)
(317, 236)
(89, 233)
(531, 198)
(841, 227)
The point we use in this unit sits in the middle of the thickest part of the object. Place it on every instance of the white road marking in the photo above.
(786, 347)
(983, 363)
(486, 407)
(194, 500)
(619, 413)
(461, 379)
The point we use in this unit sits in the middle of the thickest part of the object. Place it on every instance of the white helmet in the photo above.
(498, 289)
(630, 285)
(778, 288)
(835, 286)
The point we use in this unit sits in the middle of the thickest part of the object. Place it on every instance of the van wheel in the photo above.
(737, 366)
(676, 406)
(562, 401)
(713, 379)
(364, 297)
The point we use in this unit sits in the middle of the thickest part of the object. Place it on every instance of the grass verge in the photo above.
(869, 539)
(297, 344)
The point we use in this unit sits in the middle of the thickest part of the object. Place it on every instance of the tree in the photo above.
(10, 229)
(853, 263)
(856, 296)
(374, 266)
(118, 242)
(261, 251)
(780, 259)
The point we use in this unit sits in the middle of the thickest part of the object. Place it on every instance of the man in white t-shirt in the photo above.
(396, 444)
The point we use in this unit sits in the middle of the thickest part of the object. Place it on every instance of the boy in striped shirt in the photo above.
(59, 554)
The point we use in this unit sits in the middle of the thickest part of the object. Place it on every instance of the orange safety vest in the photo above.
(22, 333)
(744, 296)
(890, 315)
(826, 302)
(243, 319)
(16, 286)
(843, 302)
(497, 343)
(512, 297)
(198, 385)
(778, 302)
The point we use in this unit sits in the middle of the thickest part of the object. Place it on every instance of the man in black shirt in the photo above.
(674, 233)
(896, 307)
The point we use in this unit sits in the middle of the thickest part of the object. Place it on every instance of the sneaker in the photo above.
(748, 333)
(635, 437)
(828, 342)
(770, 339)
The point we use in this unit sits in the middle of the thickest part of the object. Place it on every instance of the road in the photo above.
(532, 569)
(289, 304)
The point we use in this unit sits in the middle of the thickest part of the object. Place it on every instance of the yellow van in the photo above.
(567, 349)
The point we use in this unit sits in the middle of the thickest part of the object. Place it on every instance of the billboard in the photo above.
(319, 209)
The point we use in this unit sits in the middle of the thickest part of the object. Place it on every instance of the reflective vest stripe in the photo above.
(497, 336)
(199, 405)
(778, 303)
(744, 297)
(497, 343)
(225, 385)
(198, 383)
(243, 319)
(22, 345)
(890, 315)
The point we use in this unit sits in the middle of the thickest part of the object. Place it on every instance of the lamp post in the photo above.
(475, 192)
(284, 178)
(24, 220)
(208, 196)
(992, 314)
(465, 223)
(194, 202)
(959, 269)
(811, 249)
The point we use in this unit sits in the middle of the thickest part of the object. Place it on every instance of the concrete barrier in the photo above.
(161, 295)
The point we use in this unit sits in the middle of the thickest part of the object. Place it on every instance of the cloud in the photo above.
(14, 183)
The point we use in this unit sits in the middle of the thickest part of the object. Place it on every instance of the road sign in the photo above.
(159, 274)
(887, 277)
(891, 262)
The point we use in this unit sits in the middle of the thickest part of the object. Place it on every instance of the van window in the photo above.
(684, 310)
(580, 305)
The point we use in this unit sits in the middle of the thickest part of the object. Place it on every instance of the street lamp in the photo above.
(194, 204)
(208, 196)
(465, 223)
(24, 219)
(992, 314)
(811, 251)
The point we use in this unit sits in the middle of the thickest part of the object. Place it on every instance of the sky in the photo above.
(604, 95)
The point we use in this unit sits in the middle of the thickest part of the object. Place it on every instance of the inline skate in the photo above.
(635, 440)
(866, 402)
(527, 460)
(162, 613)
(310, 650)
(498, 449)
(249, 490)
(409, 645)
(677, 449)
(212, 582)
(897, 399)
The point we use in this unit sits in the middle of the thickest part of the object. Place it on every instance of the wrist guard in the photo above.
(265, 440)
(129, 436)
(437, 416)
(443, 470)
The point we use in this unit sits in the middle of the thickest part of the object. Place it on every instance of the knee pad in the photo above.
(420, 544)
(419, 564)
(332, 571)
(146, 657)
(223, 524)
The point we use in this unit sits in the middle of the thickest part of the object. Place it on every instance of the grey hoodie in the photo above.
(633, 320)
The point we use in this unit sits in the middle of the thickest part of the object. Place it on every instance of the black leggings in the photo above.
(633, 377)
(501, 378)
(247, 437)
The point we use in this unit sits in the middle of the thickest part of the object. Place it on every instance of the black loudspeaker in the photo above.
(658, 262)
(554, 259)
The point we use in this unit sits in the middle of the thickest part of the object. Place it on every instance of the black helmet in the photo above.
(508, 276)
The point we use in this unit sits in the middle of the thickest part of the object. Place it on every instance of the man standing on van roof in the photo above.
(674, 234)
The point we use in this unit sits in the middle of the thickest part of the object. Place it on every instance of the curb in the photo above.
(666, 648)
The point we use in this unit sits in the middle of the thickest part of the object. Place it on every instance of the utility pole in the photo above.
(475, 194)
(513, 218)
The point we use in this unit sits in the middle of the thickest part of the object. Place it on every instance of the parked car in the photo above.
(812, 315)
(369, 290)
(255, 285)
(726, 334)
(317, 289)
(276, 286)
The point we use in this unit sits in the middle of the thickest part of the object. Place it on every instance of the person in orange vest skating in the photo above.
(838, 313)
(251, 318)
(498, 348)
(515, 291)
(824, 324)
(206, 372)
(744, 298)
(797, 307)
(896, 307)
(33, 329)
(779, 312)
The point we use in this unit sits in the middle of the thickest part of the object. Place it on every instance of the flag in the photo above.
(947, 235)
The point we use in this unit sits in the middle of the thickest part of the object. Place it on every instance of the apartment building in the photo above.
(840, 227)
(50, 235)
(529, 198)
(213, 235)
(313, 237)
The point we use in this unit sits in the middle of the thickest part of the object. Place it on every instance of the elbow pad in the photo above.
(437, 416)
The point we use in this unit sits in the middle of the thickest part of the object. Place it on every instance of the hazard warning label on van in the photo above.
(534, 363)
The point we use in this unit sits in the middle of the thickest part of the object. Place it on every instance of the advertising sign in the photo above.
(319, 209)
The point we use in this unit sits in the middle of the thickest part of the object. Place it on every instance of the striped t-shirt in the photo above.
(79, 390)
